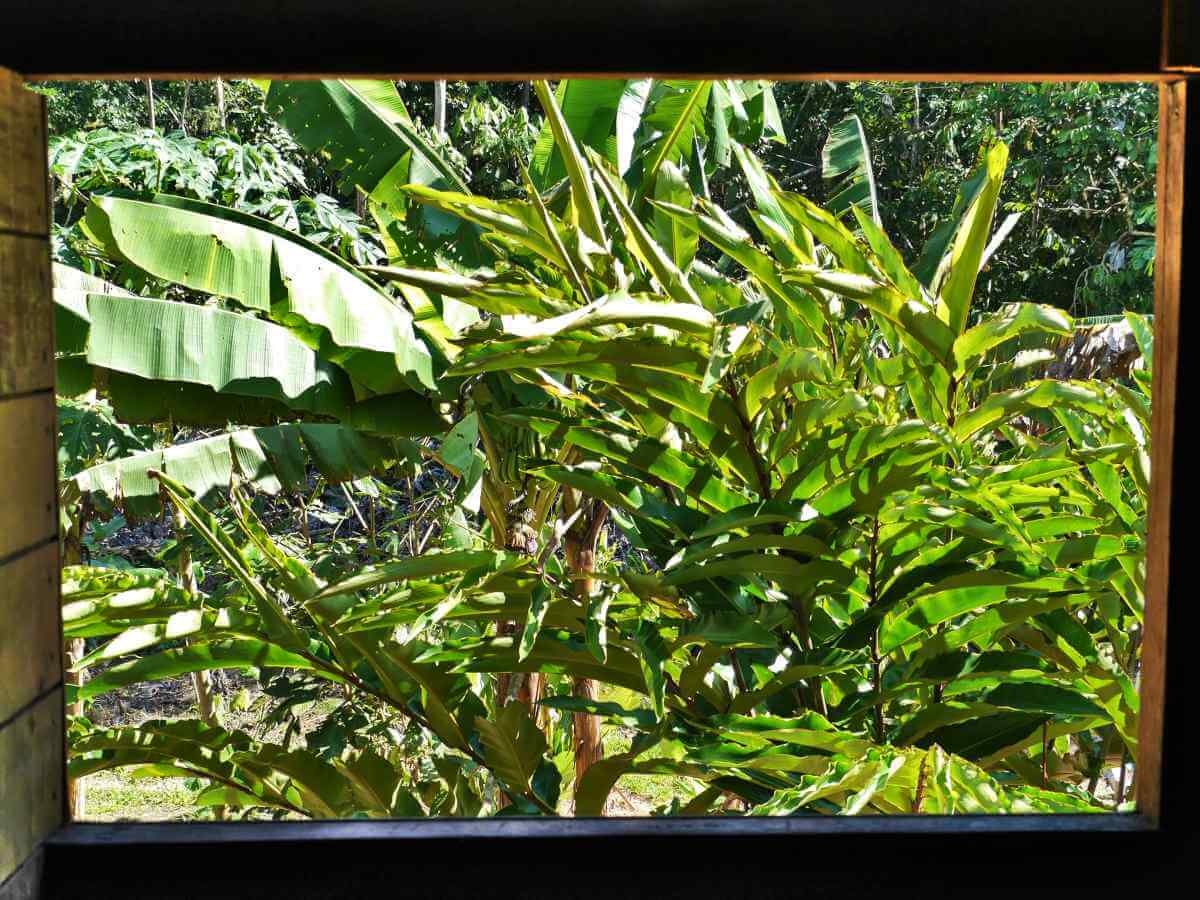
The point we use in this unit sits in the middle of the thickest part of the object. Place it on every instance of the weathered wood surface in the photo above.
(27, 446)
(24, 193)
(26, 330)
(31, 779)
(1173, 131)
(31, 702)
(30, 654)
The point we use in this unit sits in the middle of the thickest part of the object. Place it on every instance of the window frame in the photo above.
(1006, 42)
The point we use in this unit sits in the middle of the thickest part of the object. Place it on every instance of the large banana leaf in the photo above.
(262, 267)
(583, 192)
(161, 340)
(672, 125)
(603, 114)
(847, 170)
(366, 133)
(160, 360)
(272, 459)
(965, 257)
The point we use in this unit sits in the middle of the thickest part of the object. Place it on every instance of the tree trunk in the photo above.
(72, 555)
(201, 681)
(916, 130)
(439, 107)
(579, 548)
(519, 687)
(150, 103)
(221, 103)
(589, 749)
(76, 787)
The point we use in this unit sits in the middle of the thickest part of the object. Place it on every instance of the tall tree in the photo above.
(439, 107)
(150, 103)
(221, 104)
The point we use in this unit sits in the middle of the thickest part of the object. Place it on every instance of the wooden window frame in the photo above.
(921, 40)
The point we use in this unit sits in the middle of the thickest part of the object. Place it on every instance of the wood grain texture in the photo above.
(1175, 142)
(30, 629)
(28, 432)
(31, 780)
(24, 192)
(26, 315)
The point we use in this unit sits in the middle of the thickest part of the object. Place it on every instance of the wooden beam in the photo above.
(1179, 43)
(1167, 679)
(617, 36)
(850, 857)
(1173, 135)
(921, 76)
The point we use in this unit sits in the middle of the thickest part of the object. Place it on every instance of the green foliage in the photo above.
(853, 568)
(1082, 176)
(253, 178)
(89, 434)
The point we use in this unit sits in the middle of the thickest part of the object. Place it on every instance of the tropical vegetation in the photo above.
(781, 504)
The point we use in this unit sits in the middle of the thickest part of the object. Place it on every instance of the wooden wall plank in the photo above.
(31, 698)
(30, 644)
(31, 780)
(27, 325)
(24, 190)
(28, 431)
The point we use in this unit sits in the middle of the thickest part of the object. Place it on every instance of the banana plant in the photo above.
(862, 578)
(292, 332)
(281, 615)
(640, 124)
(288, 333)
(659, 131)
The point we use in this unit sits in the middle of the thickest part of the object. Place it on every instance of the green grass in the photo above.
(651, 790)
(116, 795)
